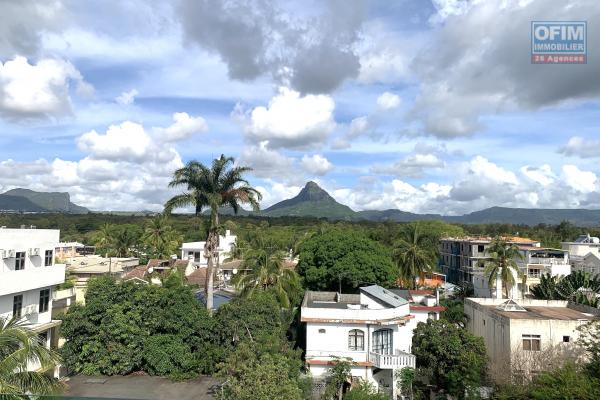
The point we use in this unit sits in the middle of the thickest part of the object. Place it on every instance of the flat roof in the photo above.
(542, 313)
(330, 300)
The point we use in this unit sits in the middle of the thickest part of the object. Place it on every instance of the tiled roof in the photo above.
(198, 277)
(138, 272)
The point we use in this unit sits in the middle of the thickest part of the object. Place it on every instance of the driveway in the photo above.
(140, 387)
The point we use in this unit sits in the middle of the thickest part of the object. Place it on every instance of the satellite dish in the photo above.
(150, 270)
(234, 271)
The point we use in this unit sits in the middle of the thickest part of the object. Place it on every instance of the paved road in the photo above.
(140, 387)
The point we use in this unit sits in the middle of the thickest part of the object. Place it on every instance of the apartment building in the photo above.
(526, 336)
(373, 328)
(28, 275)
(66, 250)
(533, 263)
(462, 258)
(585, 253)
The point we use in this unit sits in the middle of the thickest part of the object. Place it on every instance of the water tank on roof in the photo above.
(595, 240)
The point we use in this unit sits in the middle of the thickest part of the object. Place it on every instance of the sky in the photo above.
(428, 106)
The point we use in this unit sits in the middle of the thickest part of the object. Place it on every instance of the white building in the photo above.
(585, 253)
(524, 336)
(195, 250)
(373, 328)
(28, 275)
(535, 261)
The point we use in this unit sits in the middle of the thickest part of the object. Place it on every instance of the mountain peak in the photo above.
(312, 191)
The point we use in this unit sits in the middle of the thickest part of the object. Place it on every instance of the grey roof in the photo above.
(384, 295)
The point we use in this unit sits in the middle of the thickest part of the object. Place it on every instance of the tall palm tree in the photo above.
(503, 256)
(160, 237)
(104, 239)
(267, 270)
(20, 346)
(222, 184)
(414, 255)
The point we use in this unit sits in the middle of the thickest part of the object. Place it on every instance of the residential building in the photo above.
(524, 336)
(373, 329)
(461, 258)
(534, 262)
(585, 253)
(196, 249)
(85, 267)
(66, 250)
(28, 275)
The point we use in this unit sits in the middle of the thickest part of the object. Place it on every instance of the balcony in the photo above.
(397, 361)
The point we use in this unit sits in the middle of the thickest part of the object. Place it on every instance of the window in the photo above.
(43, 338)
(44, 300)
(383, 341)
(356, 340)
(531, 342)
(48, 258)
(197, 256)
(566, 339)
(17, 305)
(322, 330)
(432, 316)
(19, 260)
(480, 248)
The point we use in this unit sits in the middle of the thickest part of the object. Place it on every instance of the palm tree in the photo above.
(20, 346)
(124, 240)
(503, 256)
(267, 270)
(220, 185)
(104, 239)
(414, 255)
(160, 237)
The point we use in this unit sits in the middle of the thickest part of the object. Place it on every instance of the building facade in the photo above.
(526, 336)
(373, 329)
(28, 276)
(585, 254)
(195, 250)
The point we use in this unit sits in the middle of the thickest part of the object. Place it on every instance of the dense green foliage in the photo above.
(19, 346)
(579, 286)
(414, 254)
(127, 327)
(365, 391)
(336, 258)
(449, 357)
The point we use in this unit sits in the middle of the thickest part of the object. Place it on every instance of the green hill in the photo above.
(31, 201)
(312, 201)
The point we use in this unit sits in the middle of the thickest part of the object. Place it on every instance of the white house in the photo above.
(195, 250)
(585, 253)
(525, 336)
(534, 262)
(373, 328)
(28, 275)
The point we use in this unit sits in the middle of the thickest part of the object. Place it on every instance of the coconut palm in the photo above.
(414, 255)
(20, 346)
(503, 256)
(268, 270)
(222, 184)
(104, 239)
(160, 237)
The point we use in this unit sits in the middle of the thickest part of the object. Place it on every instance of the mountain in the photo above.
(25, 200)
(312, 201)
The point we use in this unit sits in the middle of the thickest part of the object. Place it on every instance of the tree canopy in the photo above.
(348, 259)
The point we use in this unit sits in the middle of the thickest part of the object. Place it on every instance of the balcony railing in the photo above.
(398, 360)
(63, 294)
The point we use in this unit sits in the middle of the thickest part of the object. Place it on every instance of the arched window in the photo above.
(356, 340)
(383, 341)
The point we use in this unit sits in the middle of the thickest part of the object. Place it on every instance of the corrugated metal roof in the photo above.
(384, 295)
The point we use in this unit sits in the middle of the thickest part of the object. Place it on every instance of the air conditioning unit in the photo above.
(30, 309)
(34, 252)
(8, 254)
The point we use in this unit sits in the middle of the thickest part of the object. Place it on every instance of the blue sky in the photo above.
(425, 106)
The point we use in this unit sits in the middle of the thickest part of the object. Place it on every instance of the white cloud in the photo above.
(411, 166)
(126, 141)
(388, 101)
(127, 98)
(581, 147)
(316, 164)
(267, 163)
(290, 120)
(276, 192)
(38, 90)
(542, 175)
(582, 181)
(184, 127)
